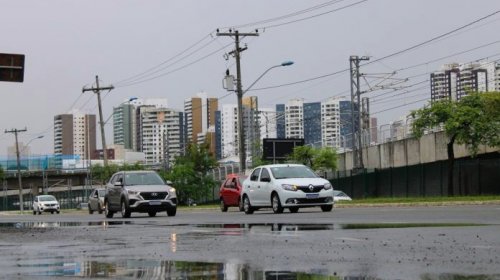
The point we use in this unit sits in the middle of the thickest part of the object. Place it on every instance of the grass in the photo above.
(425, 200)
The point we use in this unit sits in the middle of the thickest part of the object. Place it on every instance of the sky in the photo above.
(170, 49)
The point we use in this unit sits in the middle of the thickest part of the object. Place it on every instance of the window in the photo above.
(264, 175)
(255, 175)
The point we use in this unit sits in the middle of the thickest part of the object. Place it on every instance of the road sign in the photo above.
(11, 67)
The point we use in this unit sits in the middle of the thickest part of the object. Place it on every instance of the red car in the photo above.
(230, 192)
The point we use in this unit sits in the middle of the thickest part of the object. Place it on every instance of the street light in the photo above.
(21, 206)
(239, 93)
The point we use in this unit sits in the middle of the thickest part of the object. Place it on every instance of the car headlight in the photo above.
(328, 186)
(132, 192)
(171, 190)
(289, 187)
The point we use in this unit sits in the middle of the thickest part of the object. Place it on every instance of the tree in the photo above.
(318, 159)
(473, 121)
(190, 173)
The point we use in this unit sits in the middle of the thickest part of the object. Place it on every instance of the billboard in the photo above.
(11, 67)
(279, 148)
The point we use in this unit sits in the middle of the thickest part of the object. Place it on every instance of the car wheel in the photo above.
(39, 212)
(326, 208)
(90, 210)
(99, 207)
(276, 204)
(125, 210)
(107, 212)
(34, 212)
(172, 211)
(223, 206)
(152, 213)
(294, 209)
(240, 205)
(247, 207)
(58, 212)
(52, 212)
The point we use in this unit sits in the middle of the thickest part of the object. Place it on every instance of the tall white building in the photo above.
(160, 134)
(229, 130)
(75, 134)
(330, 123)
(294, 117)
(267, 118)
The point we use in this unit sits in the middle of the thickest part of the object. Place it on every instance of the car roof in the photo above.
(45, 195)
(280, 165)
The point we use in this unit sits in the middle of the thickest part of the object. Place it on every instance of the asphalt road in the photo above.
(374, 242)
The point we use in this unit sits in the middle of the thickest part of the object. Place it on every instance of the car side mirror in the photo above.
(169, 182)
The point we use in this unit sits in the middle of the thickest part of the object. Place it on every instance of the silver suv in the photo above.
(139, 191)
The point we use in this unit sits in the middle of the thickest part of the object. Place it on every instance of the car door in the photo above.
(35, 204)
(265, 187)
(251, 186)
(231, 188)
(92, 205)
(114, 192)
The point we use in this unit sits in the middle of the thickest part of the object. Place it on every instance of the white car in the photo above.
(45, 203)
(291, 186)
(340, 195)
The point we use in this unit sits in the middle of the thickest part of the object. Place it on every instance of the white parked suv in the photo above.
(45, 203)
(291, 186)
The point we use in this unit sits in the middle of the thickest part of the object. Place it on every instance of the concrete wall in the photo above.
(429, 148)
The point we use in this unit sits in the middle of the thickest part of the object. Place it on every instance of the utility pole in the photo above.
(16, 131)
(239, 91)
(97, 90)
(356, 116)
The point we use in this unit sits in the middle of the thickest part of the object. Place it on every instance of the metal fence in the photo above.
(472, 176)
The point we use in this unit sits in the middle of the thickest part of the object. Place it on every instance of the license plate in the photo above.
(312, 195)
(155, 203)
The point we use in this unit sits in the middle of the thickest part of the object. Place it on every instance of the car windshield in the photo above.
(285, 172)
(47, 198)
(339, 193)
(102, 193)
(143, 178)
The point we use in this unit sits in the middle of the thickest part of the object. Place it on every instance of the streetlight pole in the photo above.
(239, 92)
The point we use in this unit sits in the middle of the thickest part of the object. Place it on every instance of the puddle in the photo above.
(61, 224)
(156, 269)
(160, 269)
(406, 225)
(241, 227)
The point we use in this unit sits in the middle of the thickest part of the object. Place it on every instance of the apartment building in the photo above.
(75, 134)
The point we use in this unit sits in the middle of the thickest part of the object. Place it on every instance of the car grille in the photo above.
(154, 195)
(307, 189)
(50, 204)
(314, 200)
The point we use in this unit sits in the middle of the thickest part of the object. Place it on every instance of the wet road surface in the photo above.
(461, 242)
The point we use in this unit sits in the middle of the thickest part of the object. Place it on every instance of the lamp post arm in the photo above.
(260, 77)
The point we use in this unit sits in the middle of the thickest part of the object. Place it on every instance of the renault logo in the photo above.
(154, 194)
(311, 187)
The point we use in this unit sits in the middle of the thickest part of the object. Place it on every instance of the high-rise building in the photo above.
(280, 121)
(200, 115)
(455, 80)
(124, 126)
(160, 133)
(294, 116)
(312, 123)
(229, 130)
(75, 134)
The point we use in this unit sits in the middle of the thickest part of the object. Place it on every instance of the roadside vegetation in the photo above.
(436, 200)
(474, 120)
